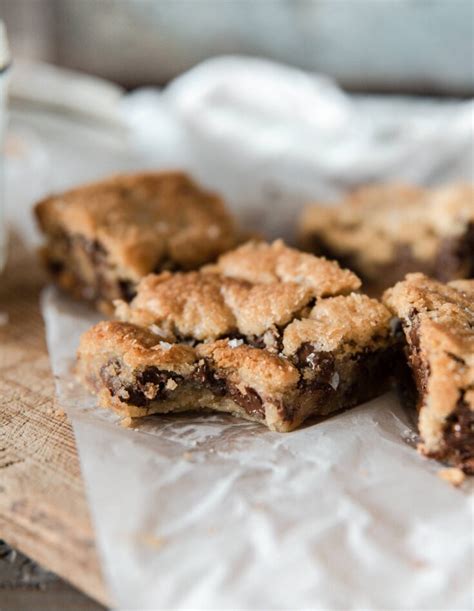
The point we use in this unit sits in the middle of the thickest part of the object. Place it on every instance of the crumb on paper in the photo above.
(452, 475)
(127, 422)
(187, 455)
(150, 540)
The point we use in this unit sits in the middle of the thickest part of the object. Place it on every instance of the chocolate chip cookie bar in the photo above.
(268, 333)
(103, 237)
(384, 232)
(438, 322)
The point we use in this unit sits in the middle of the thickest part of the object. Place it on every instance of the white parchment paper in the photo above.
(210, 512)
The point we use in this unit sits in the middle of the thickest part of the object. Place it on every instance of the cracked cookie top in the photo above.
(136, 346)
(374, 221)
(144, 221)
(447, 306)
(272, 304)
(349, 323)
(262, 263)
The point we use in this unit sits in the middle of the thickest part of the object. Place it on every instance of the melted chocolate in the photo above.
(249, 400)
(149, 384)
(321, 364)
(419, 366)
(459, 436)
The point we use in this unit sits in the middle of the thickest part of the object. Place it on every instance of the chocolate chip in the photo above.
(55, 267)
(127, 290)
(249, 400)
(321, 364)
(149, 385)
(459, 436)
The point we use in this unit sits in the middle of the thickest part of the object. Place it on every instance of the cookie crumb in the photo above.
(149, 540)
(126, 423)
(452, 475)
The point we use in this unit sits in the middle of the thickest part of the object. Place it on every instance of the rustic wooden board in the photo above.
(43, 510)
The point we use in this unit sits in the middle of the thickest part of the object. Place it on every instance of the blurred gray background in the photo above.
(414, 46)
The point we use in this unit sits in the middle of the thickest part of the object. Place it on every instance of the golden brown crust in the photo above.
(206, 306)
(353, 322)
(137, 347)
(375, 223)
(260, 307)
(249, 302)
(262, 263)
(438, 320)
(187, 304)
(234, 297)
(144, 220)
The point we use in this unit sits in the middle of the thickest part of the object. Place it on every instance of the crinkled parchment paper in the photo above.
(211, 512)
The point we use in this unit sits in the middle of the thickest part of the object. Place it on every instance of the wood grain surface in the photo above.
(43, 510)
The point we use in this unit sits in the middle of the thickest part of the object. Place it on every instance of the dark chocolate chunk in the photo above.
(127, 290)
(249, 400)
(319, 365)
(149, 384)
(459, 436)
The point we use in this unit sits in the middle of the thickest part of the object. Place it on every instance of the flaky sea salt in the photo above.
(235, 343)
(165, 345)
(334, 381)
